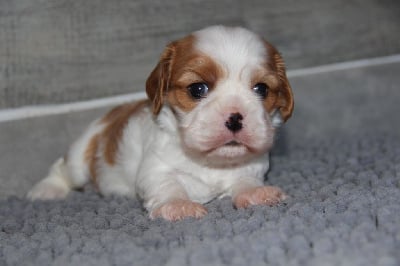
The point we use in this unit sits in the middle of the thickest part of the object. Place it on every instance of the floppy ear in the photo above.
(157, 83)
(284, 102)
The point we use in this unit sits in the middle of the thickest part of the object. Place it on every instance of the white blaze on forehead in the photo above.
(232, 48)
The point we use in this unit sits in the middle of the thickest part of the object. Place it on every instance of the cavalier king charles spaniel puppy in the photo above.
(215, 100)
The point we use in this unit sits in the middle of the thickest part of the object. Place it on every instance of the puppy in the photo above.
(215, 100)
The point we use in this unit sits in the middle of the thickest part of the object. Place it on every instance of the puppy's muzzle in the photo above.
(234, 122)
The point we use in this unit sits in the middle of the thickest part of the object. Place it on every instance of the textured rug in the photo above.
(344, 209)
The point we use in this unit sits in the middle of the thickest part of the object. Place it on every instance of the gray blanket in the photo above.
(344, 209)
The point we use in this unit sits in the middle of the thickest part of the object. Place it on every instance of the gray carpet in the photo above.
(344, 209)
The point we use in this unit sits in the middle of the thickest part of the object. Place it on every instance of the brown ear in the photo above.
(284, 102)
(158, 82)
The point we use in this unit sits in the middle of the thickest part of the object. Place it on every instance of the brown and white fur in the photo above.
(175, 152)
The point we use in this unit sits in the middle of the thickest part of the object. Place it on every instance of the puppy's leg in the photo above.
(70, 173)
(265, 195)
(178, 209)
(170, 201)
(246, 194)
(56, 185)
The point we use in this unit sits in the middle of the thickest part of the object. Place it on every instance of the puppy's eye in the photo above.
(261, 89)
(198, 90)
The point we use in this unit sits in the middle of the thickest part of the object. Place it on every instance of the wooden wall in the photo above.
(54, 51)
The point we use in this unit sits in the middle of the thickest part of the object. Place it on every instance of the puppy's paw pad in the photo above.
(179, 209)
(47, 191)
(266, 195)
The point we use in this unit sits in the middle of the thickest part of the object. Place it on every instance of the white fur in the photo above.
(166, 158)
(233, 48)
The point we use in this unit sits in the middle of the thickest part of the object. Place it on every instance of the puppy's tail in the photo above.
(55, 186)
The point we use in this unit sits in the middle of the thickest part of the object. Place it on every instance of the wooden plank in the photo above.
(55, 51)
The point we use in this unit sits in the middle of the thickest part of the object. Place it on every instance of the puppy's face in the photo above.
(228, 89)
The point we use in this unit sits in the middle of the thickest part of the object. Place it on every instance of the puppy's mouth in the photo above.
(231, 149)
(237, 144)
(233, 143)
(228, 151)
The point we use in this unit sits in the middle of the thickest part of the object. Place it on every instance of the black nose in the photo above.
(234, 123)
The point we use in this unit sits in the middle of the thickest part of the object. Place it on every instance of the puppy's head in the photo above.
(228, 89)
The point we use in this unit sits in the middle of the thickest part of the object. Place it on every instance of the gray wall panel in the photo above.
(54, 51)
(310, 33)
(60, 51)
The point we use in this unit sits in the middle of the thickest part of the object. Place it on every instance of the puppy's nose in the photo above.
(234, 123)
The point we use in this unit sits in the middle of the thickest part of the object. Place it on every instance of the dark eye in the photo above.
(198, 90)
(261, 89)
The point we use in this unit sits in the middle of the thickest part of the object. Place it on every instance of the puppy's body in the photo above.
(204, 133)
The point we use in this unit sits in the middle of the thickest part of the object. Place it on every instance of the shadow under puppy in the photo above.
(215, 100)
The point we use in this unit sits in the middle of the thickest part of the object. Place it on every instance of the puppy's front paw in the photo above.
(266, 195)
(176, 210)
(46, 190)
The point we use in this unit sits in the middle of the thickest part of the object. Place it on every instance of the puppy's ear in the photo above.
(158, 82)
(284, 102)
